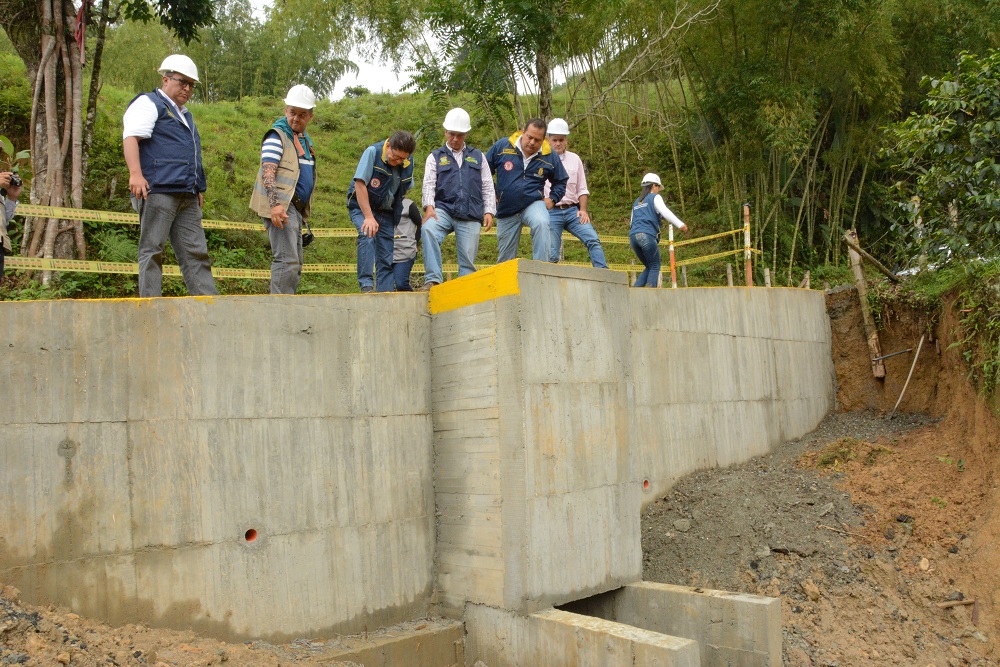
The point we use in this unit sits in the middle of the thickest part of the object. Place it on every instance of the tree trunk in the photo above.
(56, 74)
(543, 71)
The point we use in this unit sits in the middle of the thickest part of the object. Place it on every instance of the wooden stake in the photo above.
(875, 350)
(916, 356)
(853, 245)
(747, 265)
(729, 274)
(684, 275)
(767, 277)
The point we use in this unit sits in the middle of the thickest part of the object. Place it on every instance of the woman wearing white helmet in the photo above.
(644, 229)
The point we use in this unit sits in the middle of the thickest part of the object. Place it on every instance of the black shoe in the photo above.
(366, 289)
(426, 287)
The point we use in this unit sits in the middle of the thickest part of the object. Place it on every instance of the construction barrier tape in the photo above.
(63, 213)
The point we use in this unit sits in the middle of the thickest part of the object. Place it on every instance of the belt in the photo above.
(565, 206)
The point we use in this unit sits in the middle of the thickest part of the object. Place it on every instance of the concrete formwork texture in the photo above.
(278, 467)
(535, 485)
(248, 467)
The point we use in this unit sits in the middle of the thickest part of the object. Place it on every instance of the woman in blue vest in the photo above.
(644, 229)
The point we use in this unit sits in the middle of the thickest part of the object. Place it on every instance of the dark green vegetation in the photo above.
(798, 107)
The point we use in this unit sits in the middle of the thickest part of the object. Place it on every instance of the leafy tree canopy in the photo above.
(948, 157)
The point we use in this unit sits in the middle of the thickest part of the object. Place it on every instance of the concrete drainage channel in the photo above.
(272, 468)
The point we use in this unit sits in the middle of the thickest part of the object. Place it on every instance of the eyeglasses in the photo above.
(183, 83)
(397, 157)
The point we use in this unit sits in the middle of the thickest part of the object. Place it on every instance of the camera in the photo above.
(16, 180)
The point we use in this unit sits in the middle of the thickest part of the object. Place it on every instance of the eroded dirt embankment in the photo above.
(876, 534)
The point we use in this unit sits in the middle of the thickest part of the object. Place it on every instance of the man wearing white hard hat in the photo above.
(286, 180)
(458, 196)
(167, 179)
(570, 212)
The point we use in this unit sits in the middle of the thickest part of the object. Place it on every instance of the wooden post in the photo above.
(767, 277)
(673, 264)
(729, 274)
(874, 348)
(748, 268)
(684, 275)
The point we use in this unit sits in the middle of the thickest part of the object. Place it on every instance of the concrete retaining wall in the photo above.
(555, 638)
(278, 467)
(143, 439)
(730, 628)
(536, 493)
(723, 375)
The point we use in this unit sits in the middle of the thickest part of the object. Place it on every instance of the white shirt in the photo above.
(141, 115)
(429, 189)
(526, 158)
(666, 213)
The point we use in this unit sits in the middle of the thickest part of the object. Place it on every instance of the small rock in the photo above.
(980, 636)
(11, 594)
(826, 509)
(956, 596)
(810, 589)
(925, 564)
(63, 658)
(72, 617)
(682, 525)
(799, 658)
(904, 518)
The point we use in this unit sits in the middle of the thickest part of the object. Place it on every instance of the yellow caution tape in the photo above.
(64, 213)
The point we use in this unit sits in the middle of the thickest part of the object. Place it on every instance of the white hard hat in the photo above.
(457, 120)
(650, 179)
(558, 126)
(181, 65)
(301, 96)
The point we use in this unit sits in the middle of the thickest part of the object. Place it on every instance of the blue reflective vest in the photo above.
(170, 158)
(380, 182)
(644, 216)
(459, 189)
(517, 187)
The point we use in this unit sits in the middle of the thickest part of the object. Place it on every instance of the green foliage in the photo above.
(180, 17)
(15, 98)
(979, 308)
(949, 160)
(238, 55)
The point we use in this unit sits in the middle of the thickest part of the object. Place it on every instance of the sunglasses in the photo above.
(183, 83)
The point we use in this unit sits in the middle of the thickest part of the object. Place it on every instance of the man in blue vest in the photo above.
(167, 180)
(375, 202)
(523, 163)
(458, 196)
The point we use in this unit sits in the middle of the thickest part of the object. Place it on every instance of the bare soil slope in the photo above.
(879, 536)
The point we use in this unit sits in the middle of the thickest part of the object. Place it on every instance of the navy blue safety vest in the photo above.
(459, 187)
(170, 158)
(644, 216)
(381, 181)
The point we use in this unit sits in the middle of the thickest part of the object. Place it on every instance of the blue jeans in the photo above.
(401, 274)
(647, 248)
(535, 217)
(375, 251)
(568, 219)
(432, 234)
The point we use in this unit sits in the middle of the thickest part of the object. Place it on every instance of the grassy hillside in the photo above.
(231, 133)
